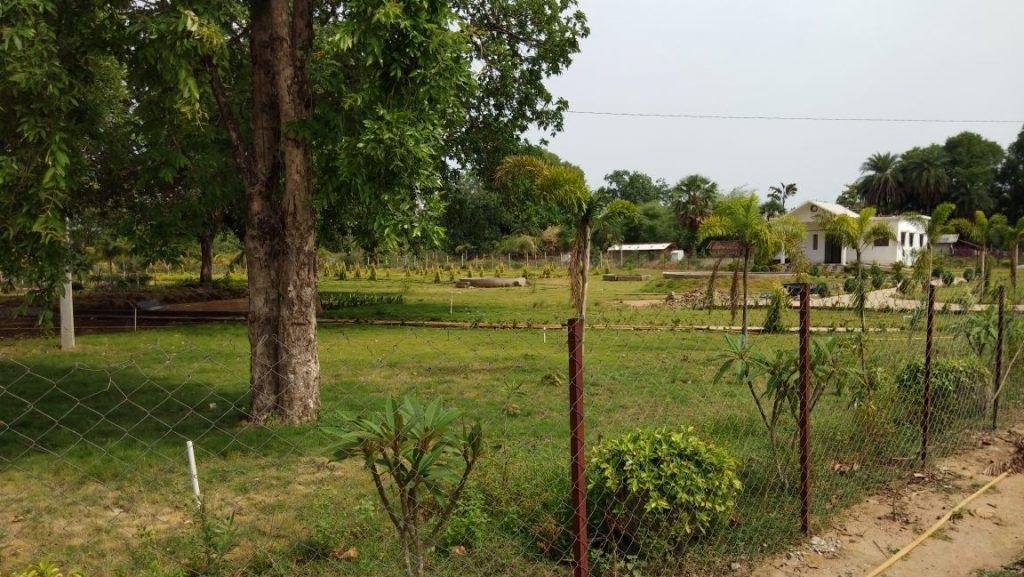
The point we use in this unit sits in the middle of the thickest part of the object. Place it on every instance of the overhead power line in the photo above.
(804, 118)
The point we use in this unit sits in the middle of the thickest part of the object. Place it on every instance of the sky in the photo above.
(936, 59)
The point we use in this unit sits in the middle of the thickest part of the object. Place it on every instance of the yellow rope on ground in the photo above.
(938, 524)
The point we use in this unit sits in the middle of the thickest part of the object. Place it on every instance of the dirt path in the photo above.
(988, 535)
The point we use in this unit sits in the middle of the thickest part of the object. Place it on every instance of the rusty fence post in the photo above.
(997, 383)
(926, 413)
(578, 473)
(805, 408)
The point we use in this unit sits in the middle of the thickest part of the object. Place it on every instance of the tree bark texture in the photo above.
(206, 258)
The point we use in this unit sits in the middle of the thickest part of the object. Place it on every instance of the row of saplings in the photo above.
(651, 491)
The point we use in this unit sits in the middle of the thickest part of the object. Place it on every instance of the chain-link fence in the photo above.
(689, 435)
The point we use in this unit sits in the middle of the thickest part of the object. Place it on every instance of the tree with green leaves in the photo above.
(634, 186)
(857, 233)
(973, 167)
(63, 106)
(693, 199)
(1010, 183)
(781, 193)
(738, 217)
(880, 181)
(923, 174)
(563, 186)
(851, 197)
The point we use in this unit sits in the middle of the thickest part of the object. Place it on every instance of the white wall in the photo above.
(910, 239)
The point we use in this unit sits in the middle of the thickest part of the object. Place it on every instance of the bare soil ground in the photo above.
(986, 536)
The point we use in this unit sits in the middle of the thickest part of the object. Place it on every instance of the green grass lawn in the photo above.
(94, 473)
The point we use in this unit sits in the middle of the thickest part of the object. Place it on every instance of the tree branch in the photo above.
(229, 120)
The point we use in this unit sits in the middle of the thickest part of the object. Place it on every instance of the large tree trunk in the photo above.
(299, 365)
(206, 258)
(263, 222)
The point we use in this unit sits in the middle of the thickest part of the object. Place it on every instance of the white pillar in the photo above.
(67, 316)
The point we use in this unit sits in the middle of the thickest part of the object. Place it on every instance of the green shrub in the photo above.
(850, 284)
(777, 303)
(877, 281)
(959, 389)
(468, 524)
(937, 272)
(822, 289)
(968, 274)
(815, 270)
(654, 489)
(947, 278)
(874, 270)
(340, 300)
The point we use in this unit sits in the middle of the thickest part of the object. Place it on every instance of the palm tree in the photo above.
(880, 183)
(858, 233)
(1014, 236)
(563, 187)
(781, 192)
(982, 231)
(923, 174)
(939, 224)
(694, 199)
(738, 217)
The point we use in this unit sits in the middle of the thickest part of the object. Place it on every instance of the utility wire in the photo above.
(805, 118)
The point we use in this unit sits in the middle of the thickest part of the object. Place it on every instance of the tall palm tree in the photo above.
(563, 187)
(738, 217)
(923, 174)
(880, 183)
(694, 199)
(857, 233)
(781, 193)
(940, 223)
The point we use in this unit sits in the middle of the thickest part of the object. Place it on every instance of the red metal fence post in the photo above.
(579, 480)
(926, 414)
(997, 383)
(805, 408)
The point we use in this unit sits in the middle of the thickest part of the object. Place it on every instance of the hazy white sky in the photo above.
(948, 59)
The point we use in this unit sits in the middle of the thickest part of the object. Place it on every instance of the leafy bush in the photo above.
(821, 289)
(468, 524)
(815, 270)
(777, 303)
(850, 284)
(937, 272)
(877, 281)
(654, 489)
(947, 278)
(959, 389)
(968, 274)
(874, 270)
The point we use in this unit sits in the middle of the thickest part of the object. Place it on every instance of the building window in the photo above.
(814, 242)
(903, 238)
(921, 239)
(881, 241)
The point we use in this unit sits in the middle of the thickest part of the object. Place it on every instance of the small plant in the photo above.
(958, 389)
(850, 284)
(437, 276)
(373, 272)
(821, 289)
(947, 278)
(877, 281)
(654, 489)
(874, 270)
(815, 270)
(553, 380)
(499, 269)
(468, 524)
(419, 464)
(968, 274)
(897, 267)
(777, 303)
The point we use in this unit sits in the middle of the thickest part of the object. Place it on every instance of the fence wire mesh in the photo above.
(691, 434)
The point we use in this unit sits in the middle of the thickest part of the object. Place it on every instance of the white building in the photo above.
(910, 238)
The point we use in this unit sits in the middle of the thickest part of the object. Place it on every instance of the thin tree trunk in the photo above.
(734, 291)
(579, 269)
(299, 365)
(1014, 249)
(746, 263)
(206, 258)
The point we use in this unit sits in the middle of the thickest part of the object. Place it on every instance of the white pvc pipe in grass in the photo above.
(192, 472)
